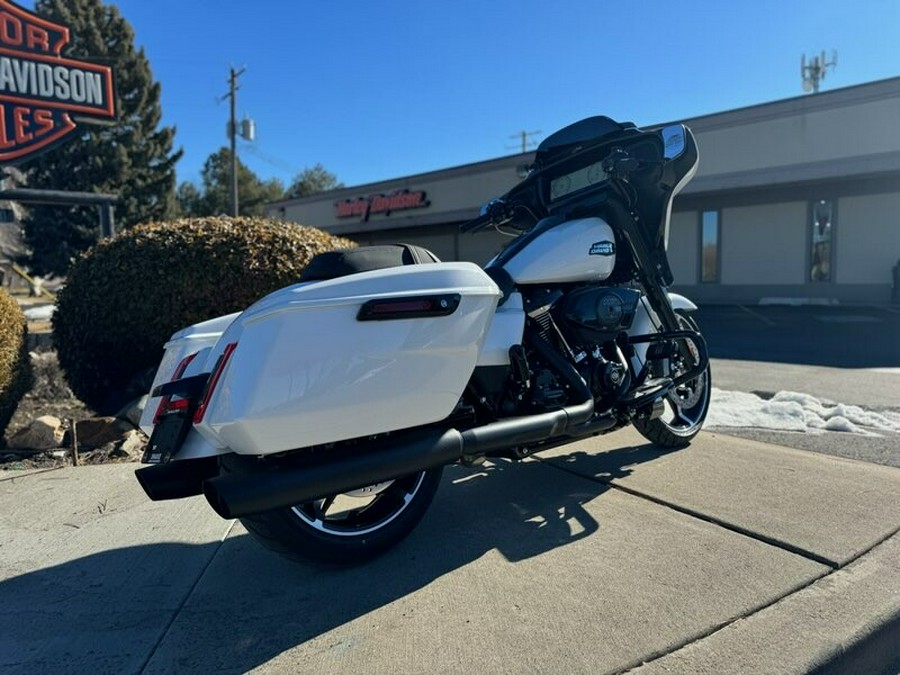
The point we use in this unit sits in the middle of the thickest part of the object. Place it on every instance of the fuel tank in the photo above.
(583, 249)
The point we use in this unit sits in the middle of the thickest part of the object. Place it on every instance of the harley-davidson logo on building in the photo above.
(364, 207)
(43, 94)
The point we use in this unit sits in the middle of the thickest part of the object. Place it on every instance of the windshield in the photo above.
(590, 129)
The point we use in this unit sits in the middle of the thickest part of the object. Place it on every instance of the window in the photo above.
(7, 216)
(709, 246)
(821, 238)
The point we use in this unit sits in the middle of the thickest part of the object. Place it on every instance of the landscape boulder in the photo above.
(44, 433)
(96, 432)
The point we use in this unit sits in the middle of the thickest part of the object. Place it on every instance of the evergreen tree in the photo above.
(132, 158)
(215, 197)
(312, 181)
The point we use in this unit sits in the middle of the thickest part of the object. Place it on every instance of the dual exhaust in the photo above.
(246, 493)
(242, 494)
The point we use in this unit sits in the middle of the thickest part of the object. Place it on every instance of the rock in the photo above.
(132, 411)
(133, 446)
(44, 433)
(99, 431)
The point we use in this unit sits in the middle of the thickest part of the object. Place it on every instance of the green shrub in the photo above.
(126, 296)
(15, 367)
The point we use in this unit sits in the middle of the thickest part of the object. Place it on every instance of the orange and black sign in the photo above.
(363, 207)
(43, 94)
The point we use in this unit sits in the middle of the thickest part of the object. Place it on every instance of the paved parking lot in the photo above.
(835, 336)
(728, 557)
(732, 556)
(845, 355)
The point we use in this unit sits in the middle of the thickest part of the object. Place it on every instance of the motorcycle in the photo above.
(322, 416)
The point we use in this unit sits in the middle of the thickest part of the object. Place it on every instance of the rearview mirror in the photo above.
(673, 141)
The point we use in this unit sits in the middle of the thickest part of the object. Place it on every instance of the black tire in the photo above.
(353, 536)
(686, 408)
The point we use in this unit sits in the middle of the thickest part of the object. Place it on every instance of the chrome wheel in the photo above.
(686, 406)
(362, 511)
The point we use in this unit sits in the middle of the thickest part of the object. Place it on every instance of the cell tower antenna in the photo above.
(814, 71)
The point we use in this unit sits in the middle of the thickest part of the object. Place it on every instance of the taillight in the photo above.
(416, 307)
(213, 381)
(166, 404)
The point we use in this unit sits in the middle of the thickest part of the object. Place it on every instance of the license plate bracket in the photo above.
(167, 437)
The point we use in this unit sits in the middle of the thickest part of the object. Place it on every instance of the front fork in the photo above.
(650, 341)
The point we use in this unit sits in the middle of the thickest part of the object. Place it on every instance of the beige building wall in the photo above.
(481, 247)
(684, 246)
(759, 168)
(457, 191)
(808, 137)
(868, 238)
(764, 245)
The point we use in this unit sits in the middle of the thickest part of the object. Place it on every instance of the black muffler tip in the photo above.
(178, 479)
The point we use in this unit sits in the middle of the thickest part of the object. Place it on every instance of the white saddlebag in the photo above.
(306, 371)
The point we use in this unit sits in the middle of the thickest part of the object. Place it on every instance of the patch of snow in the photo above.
(42, 313)
(794, 411)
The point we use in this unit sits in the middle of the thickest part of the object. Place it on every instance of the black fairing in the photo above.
(636, 205)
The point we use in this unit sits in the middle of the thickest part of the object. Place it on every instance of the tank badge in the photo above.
(603, 248)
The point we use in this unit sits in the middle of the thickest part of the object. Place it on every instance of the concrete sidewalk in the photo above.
(730, 556)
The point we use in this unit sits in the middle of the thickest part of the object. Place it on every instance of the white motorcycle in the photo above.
(322, 416)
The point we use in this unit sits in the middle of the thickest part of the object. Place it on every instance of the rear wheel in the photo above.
(349, 528)
(686, 406)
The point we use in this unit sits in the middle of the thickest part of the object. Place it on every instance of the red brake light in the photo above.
(165, 404)
(213, 381)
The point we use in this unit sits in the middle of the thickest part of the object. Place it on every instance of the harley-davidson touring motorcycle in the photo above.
(322, 416)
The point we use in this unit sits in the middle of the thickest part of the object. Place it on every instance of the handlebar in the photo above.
(495, 212)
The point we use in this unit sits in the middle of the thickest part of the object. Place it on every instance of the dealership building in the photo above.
(794, 200)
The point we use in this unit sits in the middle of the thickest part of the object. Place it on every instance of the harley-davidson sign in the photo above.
(364, 207)
(43, 94)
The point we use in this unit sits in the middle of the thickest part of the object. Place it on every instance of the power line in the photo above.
(524, 137)
(271, 160)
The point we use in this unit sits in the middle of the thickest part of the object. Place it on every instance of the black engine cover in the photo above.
(598, 313)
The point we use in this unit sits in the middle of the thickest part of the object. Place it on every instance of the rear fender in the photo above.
(200, 337)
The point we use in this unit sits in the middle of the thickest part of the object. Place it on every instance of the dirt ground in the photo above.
(50, 395)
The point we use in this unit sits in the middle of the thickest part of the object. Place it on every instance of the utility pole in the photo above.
(524, 135)
(232, 134)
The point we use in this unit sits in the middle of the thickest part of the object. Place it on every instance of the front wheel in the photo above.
(350, 528)
(685, 406)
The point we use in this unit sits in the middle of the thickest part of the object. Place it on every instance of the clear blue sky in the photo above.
(381, 89)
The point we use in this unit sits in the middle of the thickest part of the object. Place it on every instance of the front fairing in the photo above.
(667, 159)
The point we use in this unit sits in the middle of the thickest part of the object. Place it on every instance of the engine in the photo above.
(598, 314)
(584, 325)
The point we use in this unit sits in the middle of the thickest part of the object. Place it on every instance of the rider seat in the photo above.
(334, 264)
